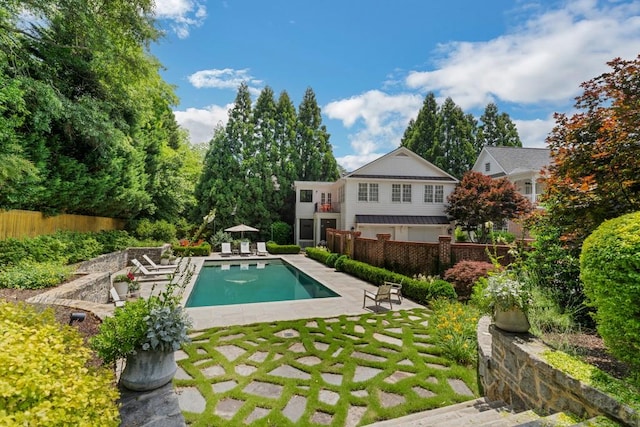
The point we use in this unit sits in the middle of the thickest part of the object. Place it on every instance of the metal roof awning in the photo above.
(402, 219)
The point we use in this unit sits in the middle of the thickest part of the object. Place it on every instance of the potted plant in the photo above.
(122, 282)
(165, 257)
(147, 332)
(509, 299)
(134, 289)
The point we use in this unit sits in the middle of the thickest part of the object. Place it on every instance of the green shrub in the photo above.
(419, 291)
(610, 271)
(502, 237)
(31, 275)
(460, 235)
(161, 230)
(218, 239)
(46, 380)
(203, 249)
(274, 248)
(12, 251)
(339, 264)
(318, 254)
(281, 233)
(331, 260)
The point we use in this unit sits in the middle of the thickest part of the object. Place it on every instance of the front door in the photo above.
(324, 224)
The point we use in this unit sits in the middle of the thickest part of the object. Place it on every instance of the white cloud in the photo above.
(352, 162)
(543, 61)
(226, 78)
(183, 14)
(533, 133)
(200, 123)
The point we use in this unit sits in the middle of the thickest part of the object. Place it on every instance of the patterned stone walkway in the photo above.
(334, 372)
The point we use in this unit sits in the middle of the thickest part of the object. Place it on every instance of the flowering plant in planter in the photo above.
(129, 277)
(506, 291)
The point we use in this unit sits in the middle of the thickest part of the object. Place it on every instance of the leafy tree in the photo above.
(479, 199)
(456, 136)
(497, 129)
(593, 175)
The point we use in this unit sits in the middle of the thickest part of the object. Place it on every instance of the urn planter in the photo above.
(511, 320)
(148, 370)
(122, 288)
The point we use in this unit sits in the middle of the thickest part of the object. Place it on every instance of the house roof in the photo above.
(402, 219)
(395, 177)
(520, 159)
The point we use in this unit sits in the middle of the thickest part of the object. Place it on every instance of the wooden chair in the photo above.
(396, 290)
(383, 294)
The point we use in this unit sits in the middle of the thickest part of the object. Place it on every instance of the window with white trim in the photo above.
(373, 192)
(439, 196)
(363, 192)
(528, 188)
(428, 193)
(406, 193)
(395, 193)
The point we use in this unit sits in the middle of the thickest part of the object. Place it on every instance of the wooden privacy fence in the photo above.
(19, 224)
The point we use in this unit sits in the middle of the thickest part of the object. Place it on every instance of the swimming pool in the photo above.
(243, 282)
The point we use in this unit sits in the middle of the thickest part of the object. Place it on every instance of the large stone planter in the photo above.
(122, 288)
(512, 320)
(148, 370)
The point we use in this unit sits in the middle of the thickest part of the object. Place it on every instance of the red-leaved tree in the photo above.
(479, 199)
(595, 173)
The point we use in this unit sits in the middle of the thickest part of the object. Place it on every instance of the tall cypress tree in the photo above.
(421, 136)
(497, 129)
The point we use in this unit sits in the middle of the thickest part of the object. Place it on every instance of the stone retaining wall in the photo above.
(511, 368)
(113, 262)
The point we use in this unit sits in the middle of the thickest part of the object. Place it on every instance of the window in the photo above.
(306, 196)
(362, 192)
(428, 193)
(487, 167)
(323, 199)
(406, 193)
(439, 194)
(373, 192)
(395, 193)
(528, 188)
(367, 192)
(329, 198)
(306, 229)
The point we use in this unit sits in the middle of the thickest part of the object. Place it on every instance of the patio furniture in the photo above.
(261, 249)
(226, 249)
(383, 294)
(157, 267)
(154, 275)
(396, 290)
(116, 298)
(244, 249)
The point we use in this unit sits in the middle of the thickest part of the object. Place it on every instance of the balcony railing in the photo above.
(327, 207)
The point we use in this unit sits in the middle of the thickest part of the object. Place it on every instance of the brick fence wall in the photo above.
(412, 257)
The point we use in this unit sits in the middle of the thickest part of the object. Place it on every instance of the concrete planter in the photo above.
(148, 370)
(512, 320)
(122, 288)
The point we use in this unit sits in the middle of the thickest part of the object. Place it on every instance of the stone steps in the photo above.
(478, 412)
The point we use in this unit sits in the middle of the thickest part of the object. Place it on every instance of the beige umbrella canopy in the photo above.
(240, 228)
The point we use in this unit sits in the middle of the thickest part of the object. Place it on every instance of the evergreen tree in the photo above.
(421, 136)
(285, 158)
(497, 129)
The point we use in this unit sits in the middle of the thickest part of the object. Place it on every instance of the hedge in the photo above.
(318, 254)
(274, 248)
(203, 249)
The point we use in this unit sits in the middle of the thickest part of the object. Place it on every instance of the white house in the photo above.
(522, 166)
(400, 194)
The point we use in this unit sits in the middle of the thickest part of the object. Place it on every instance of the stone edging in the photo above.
(511, 368)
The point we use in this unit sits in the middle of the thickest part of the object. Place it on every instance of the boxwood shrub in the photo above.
(45, 376)
(274, 248)
(318, 254)
(417, 290)
(610, 271)
(331, 260)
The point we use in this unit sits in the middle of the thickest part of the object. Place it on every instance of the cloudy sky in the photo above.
(371, 62)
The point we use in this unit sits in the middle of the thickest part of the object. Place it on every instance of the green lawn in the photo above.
(346, 371)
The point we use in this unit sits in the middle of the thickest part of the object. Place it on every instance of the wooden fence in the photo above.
(19, 224)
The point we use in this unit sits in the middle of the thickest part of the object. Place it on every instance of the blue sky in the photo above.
(371, 62)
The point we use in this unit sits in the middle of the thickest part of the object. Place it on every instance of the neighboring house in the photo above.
(400, 194)
(522, 166)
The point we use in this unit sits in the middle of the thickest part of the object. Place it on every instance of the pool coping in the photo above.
(350, 289)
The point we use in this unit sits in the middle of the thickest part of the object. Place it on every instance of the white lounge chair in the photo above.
(261, 249)
(115, 297)
(226, 249)
(157, 267)
(151, 274)
(244, 249)
(383, 294)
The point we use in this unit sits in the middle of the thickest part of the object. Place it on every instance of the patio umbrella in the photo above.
(240, 228)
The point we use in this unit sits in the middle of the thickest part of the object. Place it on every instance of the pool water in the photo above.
(243, 282)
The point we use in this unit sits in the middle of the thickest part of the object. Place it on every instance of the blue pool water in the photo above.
(243, 282)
